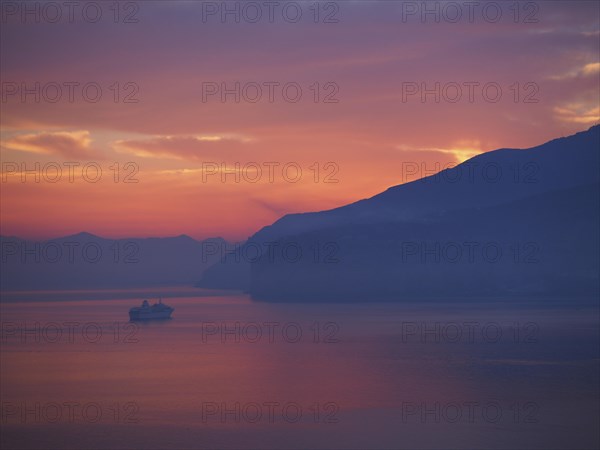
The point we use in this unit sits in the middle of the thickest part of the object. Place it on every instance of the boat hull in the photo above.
(149, 315)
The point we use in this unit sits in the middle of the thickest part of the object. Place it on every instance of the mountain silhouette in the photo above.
(86, 261)
(436, 237)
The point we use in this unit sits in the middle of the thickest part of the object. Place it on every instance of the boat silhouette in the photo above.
(151, 312)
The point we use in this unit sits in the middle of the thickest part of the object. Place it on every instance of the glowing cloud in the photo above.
(61, 143)
(179, 147)
(584, 113)
(460, 151)
(585, 71)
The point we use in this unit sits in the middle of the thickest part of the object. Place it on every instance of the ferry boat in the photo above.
(146, 312)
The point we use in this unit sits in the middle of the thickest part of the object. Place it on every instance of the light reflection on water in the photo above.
(362, 375)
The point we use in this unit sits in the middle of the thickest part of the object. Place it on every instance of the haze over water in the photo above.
(371, 375)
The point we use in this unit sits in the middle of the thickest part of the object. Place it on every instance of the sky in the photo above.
(164, 118)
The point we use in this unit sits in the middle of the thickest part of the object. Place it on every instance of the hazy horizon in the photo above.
(201, 238)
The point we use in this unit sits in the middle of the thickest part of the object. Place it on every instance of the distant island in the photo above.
(87, 261)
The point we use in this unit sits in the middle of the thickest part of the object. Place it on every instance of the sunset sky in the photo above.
(179, 140)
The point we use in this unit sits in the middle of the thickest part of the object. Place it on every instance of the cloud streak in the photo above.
(68, 144)
(189, 148)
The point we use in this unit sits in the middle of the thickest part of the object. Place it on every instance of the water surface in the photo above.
(227, 372)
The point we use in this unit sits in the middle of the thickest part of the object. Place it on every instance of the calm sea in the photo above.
(227, 372)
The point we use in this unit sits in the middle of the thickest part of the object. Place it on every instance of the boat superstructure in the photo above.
(146, 311)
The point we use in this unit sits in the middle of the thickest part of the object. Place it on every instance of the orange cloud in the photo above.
(181, 147)
(585, 71)
(61, 143)
(580, 112)
(459, 151)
